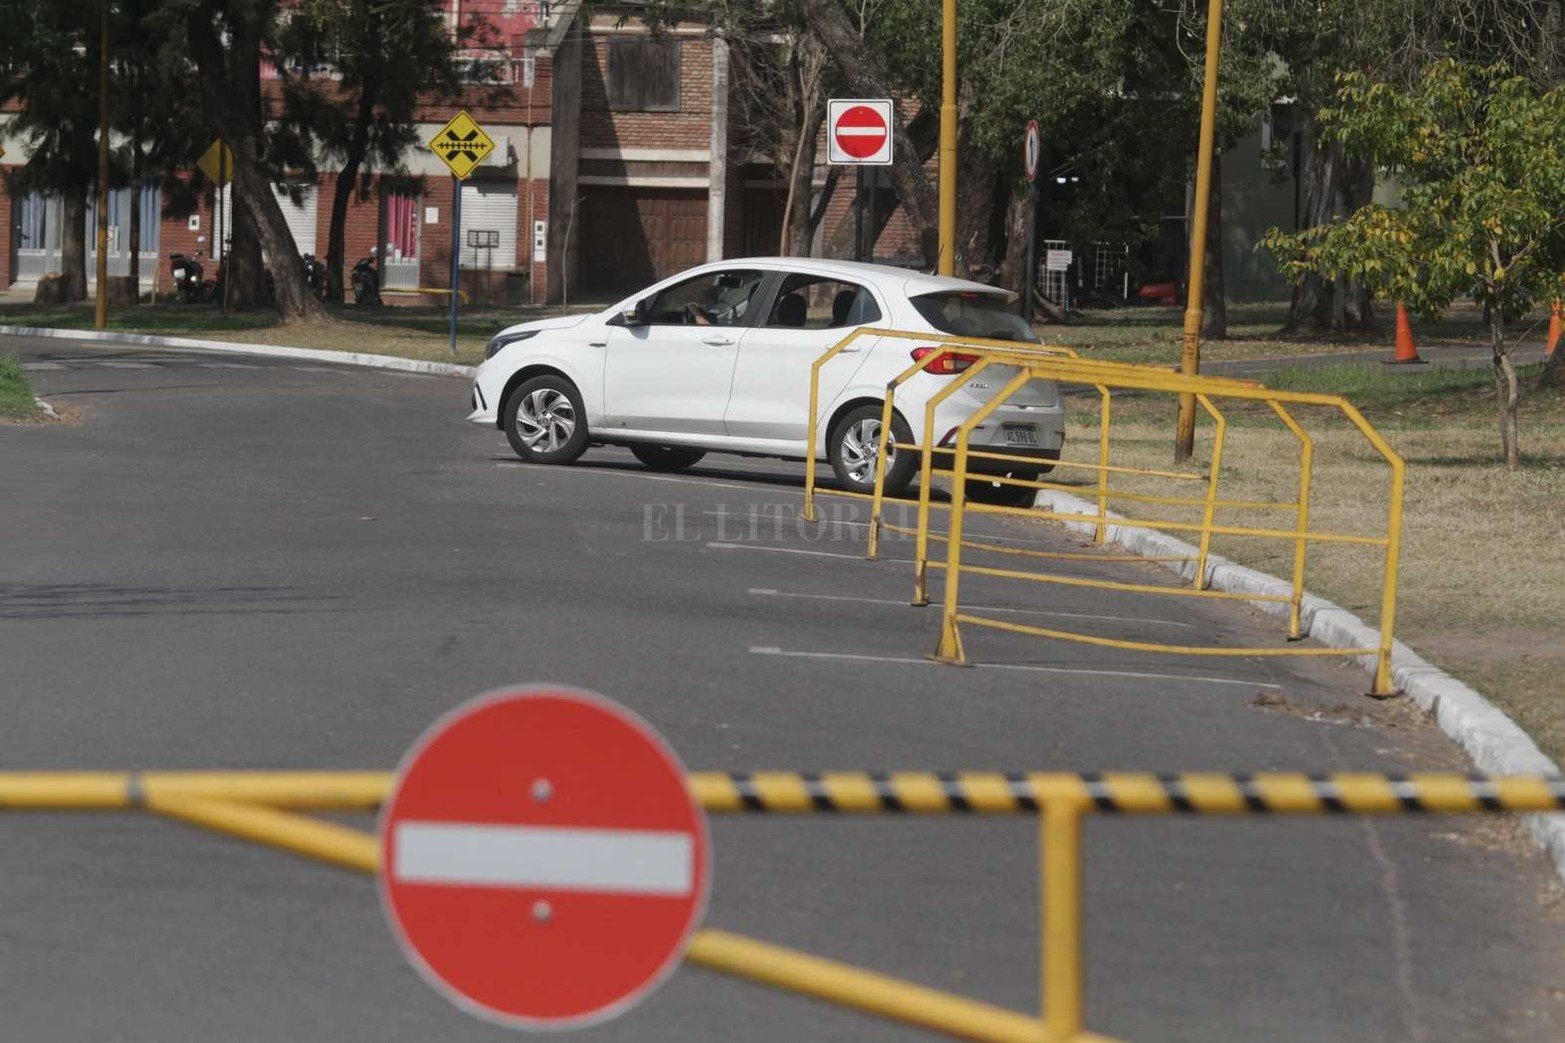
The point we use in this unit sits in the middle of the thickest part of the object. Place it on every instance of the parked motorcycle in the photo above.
(366, 281)
(188, 285)
(315, 275)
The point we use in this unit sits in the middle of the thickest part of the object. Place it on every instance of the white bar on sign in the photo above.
(623, 861)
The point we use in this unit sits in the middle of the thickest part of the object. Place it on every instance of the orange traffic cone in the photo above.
(1407, 351)
(1556, 314)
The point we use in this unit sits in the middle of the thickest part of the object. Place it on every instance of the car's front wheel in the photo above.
(545, 421)
(854, 444)
(667, 457)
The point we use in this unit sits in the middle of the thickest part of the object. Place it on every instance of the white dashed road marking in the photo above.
(769, 592)
(784, 550)
(1027, 667)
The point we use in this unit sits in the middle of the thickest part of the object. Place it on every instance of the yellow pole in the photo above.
(324, 841)
(950, 648)
(100, 318)
(1060, 835)
(1208, 514)
(868, 991)
(947, 262)
(1105, 419)
(1190, 356)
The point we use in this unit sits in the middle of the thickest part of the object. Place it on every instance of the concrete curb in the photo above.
(341, 358)
(1496, 743)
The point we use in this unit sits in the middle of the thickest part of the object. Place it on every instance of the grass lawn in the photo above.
(1153, 335)
(412, 332)
(16, 397)
(1483, 569)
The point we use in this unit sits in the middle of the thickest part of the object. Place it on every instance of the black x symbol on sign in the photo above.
(461, 146)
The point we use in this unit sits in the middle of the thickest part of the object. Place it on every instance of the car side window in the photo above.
(811, 303)
(711, 299)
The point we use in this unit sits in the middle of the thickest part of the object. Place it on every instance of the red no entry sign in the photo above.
(543, 864)
(859, 131)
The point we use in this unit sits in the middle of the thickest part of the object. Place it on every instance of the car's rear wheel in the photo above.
(545, 421)
(854, 444)
(667, 457)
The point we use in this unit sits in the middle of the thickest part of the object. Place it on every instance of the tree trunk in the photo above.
(233, 99)
(1320, 170)
(1214, 299)
(982, 195)
(864, 78)
(336, 233)
(244, 276)
(347, 179)
(1013, 264)
(135, 227)
(73, 243)
(1506, 393)
(1358, 191)
(798, 231)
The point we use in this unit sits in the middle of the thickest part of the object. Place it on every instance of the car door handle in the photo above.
(597, 344)
(716, 341)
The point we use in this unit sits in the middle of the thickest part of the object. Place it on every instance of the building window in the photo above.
(642, 75)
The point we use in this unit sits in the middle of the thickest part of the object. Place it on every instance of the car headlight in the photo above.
(503, 339)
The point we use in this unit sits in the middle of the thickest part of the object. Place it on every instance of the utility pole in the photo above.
(101, 302)
(1190, 355)
(947, 256)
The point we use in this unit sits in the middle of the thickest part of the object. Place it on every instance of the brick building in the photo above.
(613, 167)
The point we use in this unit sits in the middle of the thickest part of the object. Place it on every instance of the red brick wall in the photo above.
(360, 231)
(689, 128)
(175, 236)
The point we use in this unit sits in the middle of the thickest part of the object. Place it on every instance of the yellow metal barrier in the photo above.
(247, 805)
(1042, 362)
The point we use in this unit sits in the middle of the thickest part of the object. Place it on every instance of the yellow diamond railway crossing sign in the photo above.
(462, 145)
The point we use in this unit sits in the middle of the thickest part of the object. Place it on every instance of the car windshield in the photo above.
(970, 314)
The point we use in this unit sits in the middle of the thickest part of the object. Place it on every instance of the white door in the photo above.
(300, 216)
(771, 390)
(489, 225)
(672, 375)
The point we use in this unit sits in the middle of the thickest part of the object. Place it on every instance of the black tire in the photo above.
(987, 491)
(858, 428)
(667, 457)
(547, 408)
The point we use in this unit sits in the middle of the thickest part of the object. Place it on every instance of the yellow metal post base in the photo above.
(950, 648)
(872, 552)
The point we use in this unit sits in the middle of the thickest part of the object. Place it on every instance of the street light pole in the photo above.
(101, 302)
(947, 257)
(1190, 356)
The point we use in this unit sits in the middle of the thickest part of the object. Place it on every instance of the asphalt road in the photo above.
(239, 562)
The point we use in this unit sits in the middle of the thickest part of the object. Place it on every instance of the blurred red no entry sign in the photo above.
(543, 864)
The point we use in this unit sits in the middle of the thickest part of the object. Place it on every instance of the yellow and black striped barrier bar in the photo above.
(858, 792)
(1128, 793)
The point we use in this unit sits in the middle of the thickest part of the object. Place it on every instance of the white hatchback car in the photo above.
(717, 359)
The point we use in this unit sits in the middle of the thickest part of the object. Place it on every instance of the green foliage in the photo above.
(16, 398)
(1479, 155)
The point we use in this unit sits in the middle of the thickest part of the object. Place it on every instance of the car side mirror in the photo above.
(636, 315)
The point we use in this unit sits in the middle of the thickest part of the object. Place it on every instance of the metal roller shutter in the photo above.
(489, 217)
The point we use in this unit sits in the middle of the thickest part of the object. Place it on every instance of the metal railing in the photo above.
(261, 807)
(1028, 362)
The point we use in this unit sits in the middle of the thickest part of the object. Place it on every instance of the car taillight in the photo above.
(948, 363)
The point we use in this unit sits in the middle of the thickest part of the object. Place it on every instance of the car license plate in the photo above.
(1016, 434)
(179, 273)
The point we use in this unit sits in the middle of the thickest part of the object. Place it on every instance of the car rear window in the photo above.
(971, 314)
